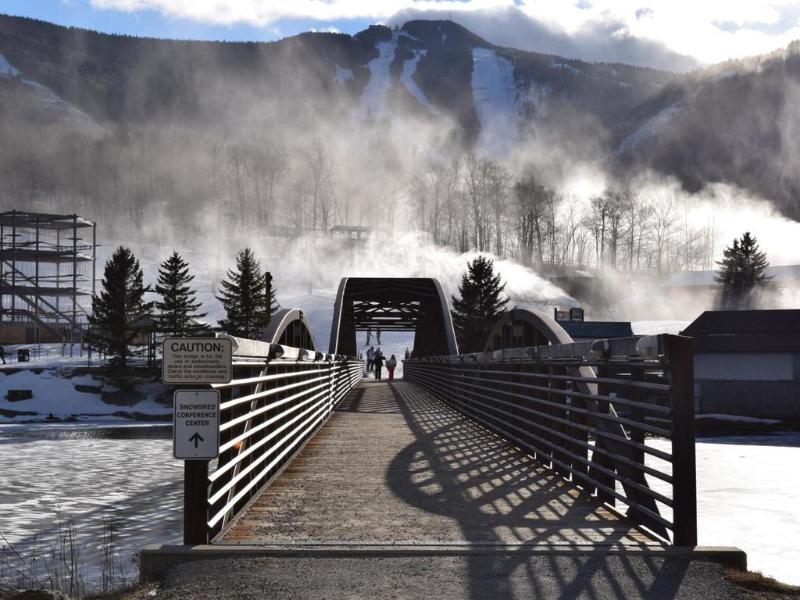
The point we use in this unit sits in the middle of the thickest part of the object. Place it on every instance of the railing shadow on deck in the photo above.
(500, 496)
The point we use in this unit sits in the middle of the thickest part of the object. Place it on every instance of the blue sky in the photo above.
(153, 23)
(652, 32)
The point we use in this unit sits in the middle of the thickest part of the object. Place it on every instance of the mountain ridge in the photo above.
(723, 123)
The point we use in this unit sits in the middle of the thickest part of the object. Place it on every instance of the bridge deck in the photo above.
(393, 465)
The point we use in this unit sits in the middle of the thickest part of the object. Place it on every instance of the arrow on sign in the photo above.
(196, 438)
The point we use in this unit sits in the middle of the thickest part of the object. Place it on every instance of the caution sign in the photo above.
(196, 360)
(195, 431)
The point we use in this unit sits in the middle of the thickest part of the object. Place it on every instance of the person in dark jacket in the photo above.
(370, 358)
(3, 354)
(378, 364)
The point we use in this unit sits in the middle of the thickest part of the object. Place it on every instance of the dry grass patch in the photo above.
(761, 583)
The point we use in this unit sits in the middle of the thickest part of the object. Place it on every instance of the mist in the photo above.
(276, 164)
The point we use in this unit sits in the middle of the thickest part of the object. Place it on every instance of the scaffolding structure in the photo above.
(47, 276)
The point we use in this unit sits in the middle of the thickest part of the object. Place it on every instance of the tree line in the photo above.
(256, 180)
(476, 203)
(122, 316)
(740, 276)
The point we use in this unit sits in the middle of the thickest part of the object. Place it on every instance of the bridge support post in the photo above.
(681, 359)
(195, 502)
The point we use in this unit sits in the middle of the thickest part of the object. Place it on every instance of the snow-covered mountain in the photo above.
(734, 122)
(434, 68)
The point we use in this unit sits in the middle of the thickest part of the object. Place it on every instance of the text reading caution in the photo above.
(196, 424)
(196, 360)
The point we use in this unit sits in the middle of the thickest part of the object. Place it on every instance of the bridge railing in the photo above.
(278, 399)
(615, 417)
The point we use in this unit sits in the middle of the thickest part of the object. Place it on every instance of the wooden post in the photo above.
(684, 486)
(195, 502)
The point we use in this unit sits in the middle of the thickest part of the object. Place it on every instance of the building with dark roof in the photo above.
(747, 363)
(596, 330)
(572, 320)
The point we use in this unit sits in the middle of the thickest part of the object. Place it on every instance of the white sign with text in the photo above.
(196, 360)
(195, 431)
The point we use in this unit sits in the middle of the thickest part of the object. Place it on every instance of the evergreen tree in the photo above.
(120, 313)
(742, 271)
(481, 302)
(247, 296)
(177, 310)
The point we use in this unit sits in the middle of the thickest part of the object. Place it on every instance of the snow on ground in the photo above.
(496, 101)
(651, 127)
(374, 98)
(656, 327)
(54, 393)
(134, 483)
(407, 78)
(6, 68)
(566, 67)
(62, 355)
(748, 491)
(343, 75)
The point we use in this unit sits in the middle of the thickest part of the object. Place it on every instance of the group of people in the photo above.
(376, 360)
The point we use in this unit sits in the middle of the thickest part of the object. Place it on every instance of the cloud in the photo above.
(655, 32)
(601, 40)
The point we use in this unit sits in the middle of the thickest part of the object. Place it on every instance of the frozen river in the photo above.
(748, 492)
(123, 475)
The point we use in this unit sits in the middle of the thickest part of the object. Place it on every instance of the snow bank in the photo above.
(54, 393)
(748, 489)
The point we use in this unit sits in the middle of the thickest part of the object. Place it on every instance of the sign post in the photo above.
(195, 431)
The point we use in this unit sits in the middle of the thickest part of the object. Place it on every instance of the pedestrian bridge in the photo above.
(537, 442)
(394, 465)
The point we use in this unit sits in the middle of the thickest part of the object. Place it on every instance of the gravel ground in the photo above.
(445, 577)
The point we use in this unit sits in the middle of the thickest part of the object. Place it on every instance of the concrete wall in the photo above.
(763, 385)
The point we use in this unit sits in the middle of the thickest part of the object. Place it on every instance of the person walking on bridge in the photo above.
(390, 366)
(378, 363)
(370, 358)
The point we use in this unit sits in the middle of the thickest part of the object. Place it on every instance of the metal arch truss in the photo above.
(392, 304)
(289, 327)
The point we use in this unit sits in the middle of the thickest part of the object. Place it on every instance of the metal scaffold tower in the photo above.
(47, 276)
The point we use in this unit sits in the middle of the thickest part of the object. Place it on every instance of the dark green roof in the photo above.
(597, 329)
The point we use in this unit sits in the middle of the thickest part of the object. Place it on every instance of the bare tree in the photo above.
(663, 227)
(476, 179)
(533, 200)
(319, 178)
(266, 166)
(498, 183)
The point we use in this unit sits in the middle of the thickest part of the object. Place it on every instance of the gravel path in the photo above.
(445, 577)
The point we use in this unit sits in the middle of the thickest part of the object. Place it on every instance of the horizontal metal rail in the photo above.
(278, 399)
(588, 411)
